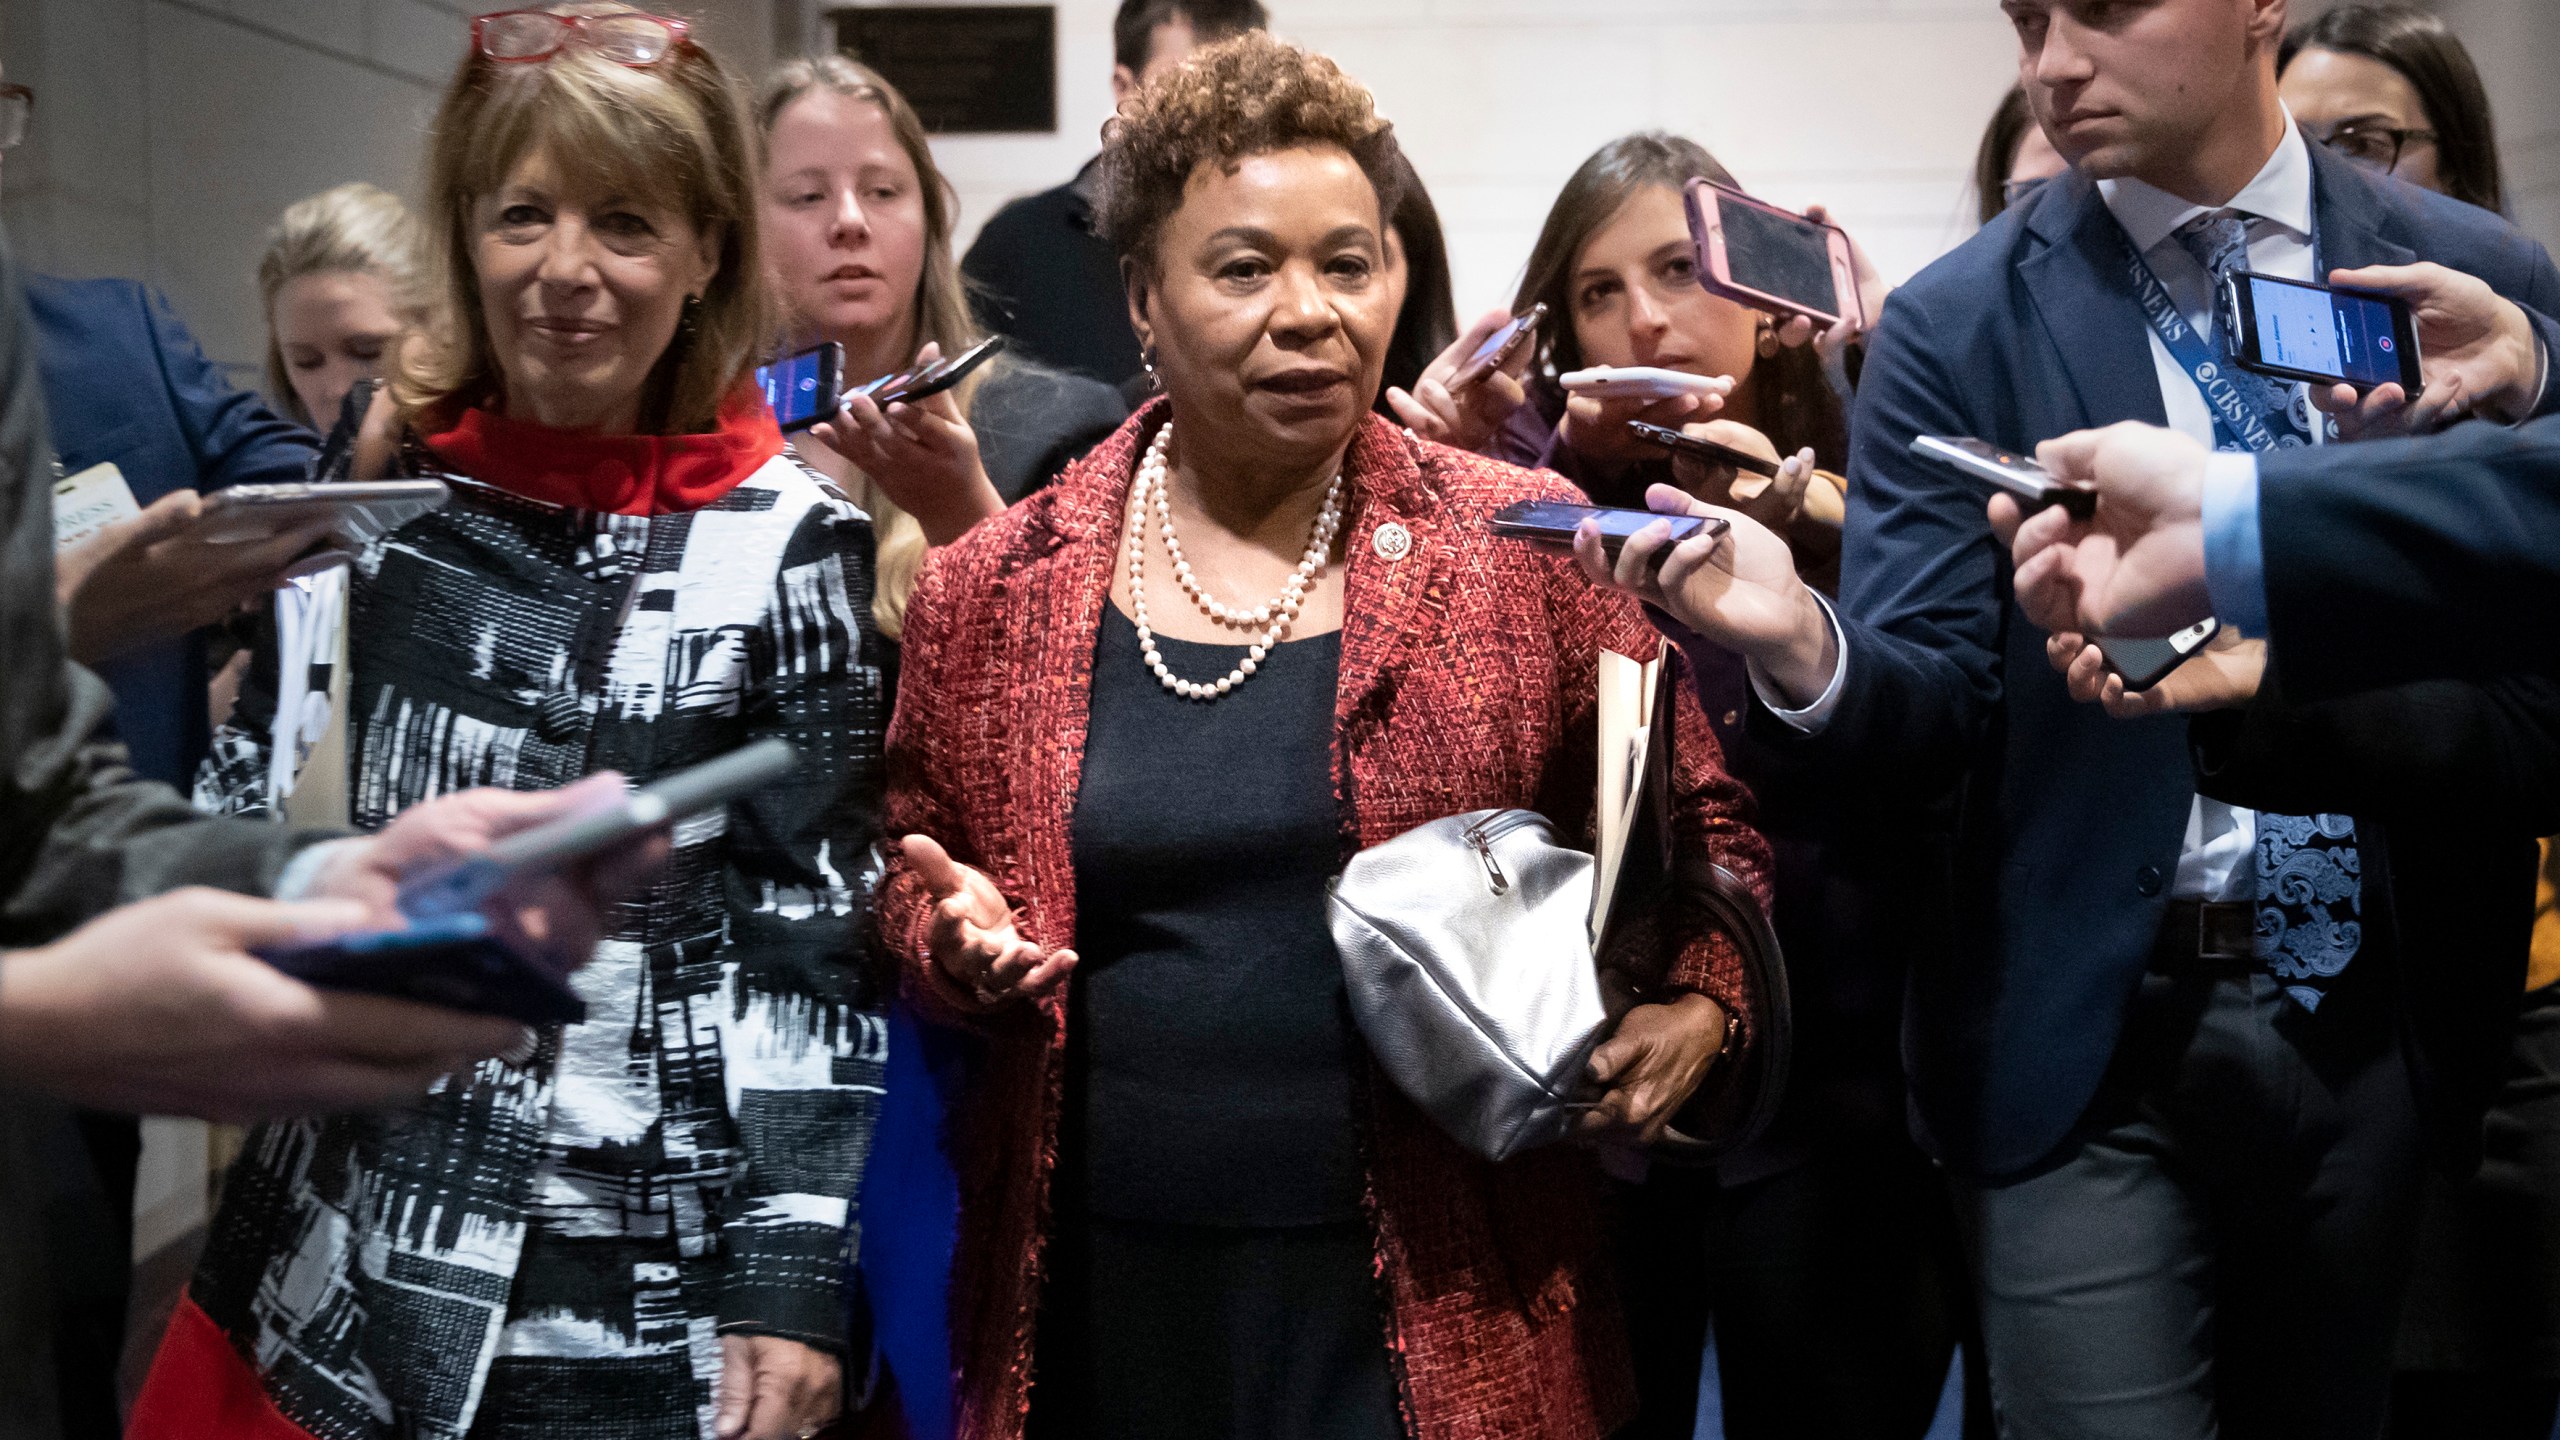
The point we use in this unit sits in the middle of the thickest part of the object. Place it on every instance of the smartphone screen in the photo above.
(1778, 255)
(1555, 522)
(2319, 331)
(801, 388)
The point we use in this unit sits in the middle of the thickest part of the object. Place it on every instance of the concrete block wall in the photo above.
(168, 134)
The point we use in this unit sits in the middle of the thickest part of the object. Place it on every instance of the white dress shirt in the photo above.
(2214, 857)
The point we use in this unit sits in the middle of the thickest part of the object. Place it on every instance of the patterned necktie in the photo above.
(2310, 902)
(2310, 876)
(2219, 241)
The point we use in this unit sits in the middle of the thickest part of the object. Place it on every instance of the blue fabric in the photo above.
(2235, 577)
(2062, 826)
(125, 382)
(2250, 410)
(909, 1211)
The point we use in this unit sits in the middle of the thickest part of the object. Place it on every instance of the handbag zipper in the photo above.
(1483, 833)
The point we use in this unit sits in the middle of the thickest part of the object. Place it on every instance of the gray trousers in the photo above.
(2222, 1251)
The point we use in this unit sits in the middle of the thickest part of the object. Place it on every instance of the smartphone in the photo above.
(1681, 442)
(1500, 346)
(941, 375)
(1756, 254)
(1553, 523)
(2029, 483)
(469, 884)
(2296, 330)
(805, 389)
(1638, 382)
(2145, 663)
(455, 961)
(244, 513)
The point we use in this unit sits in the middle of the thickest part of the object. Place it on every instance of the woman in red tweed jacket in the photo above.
(1189, 1207)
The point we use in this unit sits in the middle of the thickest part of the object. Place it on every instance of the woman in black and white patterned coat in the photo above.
(638, 1227)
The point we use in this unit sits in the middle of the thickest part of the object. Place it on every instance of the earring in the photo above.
(1147, 362)
(1766, 341)
(689, 319)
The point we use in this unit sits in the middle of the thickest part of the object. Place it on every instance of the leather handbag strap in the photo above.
(1743, 1110)
(1696, 887)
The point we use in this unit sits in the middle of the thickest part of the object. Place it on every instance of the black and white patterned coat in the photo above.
(555, 1247)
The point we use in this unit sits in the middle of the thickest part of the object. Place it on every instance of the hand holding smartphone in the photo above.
(2015, 475)
(1756, 254)
(1554, 523)
(806, 388)
(1500, 348)
(451, 955)
(1681, 442)
(2296, 330)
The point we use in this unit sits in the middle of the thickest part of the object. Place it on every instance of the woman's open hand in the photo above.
(973, 938)
(923, 456)
(1652, 1065)
(1466, 415)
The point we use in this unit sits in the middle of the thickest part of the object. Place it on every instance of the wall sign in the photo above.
(968, 69)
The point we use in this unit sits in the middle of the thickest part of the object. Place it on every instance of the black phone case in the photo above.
(483, 976)
(2145, 663)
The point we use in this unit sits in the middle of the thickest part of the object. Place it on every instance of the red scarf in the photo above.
(615, 474)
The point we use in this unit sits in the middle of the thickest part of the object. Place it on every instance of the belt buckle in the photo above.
(2237, 920)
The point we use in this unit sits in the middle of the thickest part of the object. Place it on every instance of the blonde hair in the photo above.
(941, 307)
(673, 133)
(354, 228)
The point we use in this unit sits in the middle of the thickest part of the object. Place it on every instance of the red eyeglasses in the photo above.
(630, 37)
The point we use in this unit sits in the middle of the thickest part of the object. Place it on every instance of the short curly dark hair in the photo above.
(1247, 96)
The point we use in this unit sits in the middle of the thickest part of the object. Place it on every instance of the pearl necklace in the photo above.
(1274, 616)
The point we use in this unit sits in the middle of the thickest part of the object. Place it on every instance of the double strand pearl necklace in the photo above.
(1273, 617)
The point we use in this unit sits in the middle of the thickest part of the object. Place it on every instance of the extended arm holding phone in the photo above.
(921, 453)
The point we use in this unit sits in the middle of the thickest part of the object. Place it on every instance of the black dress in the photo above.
(1211, 1264)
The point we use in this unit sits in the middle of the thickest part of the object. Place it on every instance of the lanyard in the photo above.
(2237, 425)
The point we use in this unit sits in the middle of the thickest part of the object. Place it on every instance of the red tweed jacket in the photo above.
(1467, 682)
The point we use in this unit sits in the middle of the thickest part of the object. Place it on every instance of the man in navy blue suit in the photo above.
(125, 384)
(2163, 1044)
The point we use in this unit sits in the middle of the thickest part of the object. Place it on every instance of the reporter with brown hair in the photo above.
(1144, 717)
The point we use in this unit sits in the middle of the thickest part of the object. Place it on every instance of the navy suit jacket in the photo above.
(2067, 825)
(2414, 559)
(125, 382)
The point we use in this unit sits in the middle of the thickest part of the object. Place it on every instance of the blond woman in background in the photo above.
(858, 224)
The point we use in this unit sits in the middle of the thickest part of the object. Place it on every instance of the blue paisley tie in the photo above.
(2310, 901)
(2219, 241)
(2310, 878)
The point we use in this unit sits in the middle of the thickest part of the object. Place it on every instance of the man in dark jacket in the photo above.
(126, 385)
(1039, 273)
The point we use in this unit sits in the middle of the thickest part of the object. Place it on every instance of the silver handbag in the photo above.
(1467, 957)
(1466, 950)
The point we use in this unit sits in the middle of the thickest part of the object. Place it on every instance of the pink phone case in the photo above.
(1706, 199)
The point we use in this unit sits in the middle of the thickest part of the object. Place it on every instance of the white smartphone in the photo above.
(1638, 382)
(245, 513)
